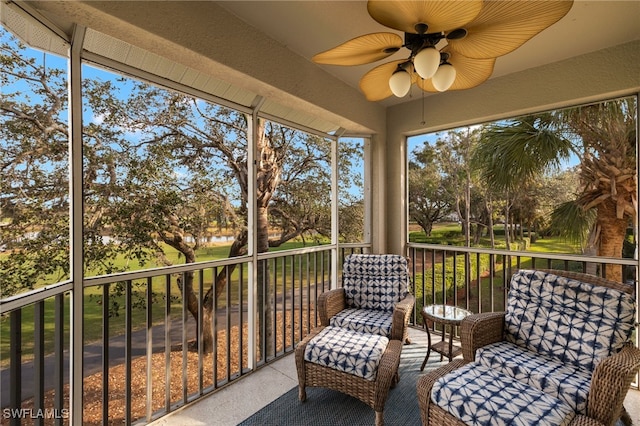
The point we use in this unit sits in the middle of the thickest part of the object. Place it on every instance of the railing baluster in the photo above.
(505, 282)
(455, 278)
(240, 319)
(167, 343)
(315, 291)
(58, 370)
(479, 281)
(423, 253)
(492, 267)
(214, 319)
(433, 276)
(293, 300)
(467, 280)
(38, 360)
(15, 359)
(284, 304)
(228, 317)
(444, 277)
(274, 328)
(149, 402)
(128, 354)
(304, 288)
(105, 350)
(200, 327)
(185, 349)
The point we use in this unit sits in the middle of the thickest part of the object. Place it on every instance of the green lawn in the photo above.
(491, 289)
(93, 299)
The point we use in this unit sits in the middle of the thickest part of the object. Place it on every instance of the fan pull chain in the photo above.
(423, 122)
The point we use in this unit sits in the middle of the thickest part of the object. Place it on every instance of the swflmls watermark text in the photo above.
(30, 413)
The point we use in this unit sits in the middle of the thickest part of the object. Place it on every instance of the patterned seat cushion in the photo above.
(566, 382)
(480, 396)
(364, 321)
(347, 351)
(375, 281)
(571, 321)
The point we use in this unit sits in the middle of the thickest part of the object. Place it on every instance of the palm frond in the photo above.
(570, 221)
(512, 153)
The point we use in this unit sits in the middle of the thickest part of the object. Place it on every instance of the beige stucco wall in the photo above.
(592, 77)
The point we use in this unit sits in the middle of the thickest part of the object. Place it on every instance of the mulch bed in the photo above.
(92, 403)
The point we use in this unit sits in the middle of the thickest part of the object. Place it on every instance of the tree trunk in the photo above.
(265, 291)
(612, 235)
(467, 208)
(507, 219)
(490, 230)
(268, 178)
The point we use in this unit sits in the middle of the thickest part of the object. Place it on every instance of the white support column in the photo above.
(252, 226)
(368, 204)
(335, 207)
(76, 214)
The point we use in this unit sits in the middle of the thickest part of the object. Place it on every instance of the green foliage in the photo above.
(514, 152)
(569, 220)
(160, 170)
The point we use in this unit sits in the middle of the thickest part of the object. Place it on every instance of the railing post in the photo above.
(15, 376)
(77, 215)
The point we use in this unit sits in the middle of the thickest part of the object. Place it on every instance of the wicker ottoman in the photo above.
(332, 357)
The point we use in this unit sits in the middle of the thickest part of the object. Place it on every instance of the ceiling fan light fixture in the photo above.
(426, 62)
(400, 83)
(444, 77)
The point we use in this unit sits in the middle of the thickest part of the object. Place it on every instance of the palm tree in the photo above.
(603, 136)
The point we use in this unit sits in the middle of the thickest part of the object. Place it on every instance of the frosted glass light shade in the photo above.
(444, 77)
(400, 83)
(426, 62)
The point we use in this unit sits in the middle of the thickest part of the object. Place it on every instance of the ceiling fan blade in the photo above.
(361, 50)
(439, 15)
(375, 83)
(469, 72)
(504, 25)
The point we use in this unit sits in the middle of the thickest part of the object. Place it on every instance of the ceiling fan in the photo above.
(453, 44)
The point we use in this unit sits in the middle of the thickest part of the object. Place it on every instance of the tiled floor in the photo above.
(233, 404)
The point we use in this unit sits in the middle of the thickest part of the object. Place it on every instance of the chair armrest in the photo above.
(425, 383)
(610, 382)
(478, 330)
(329, 304)
(581, 420)
(401, 314)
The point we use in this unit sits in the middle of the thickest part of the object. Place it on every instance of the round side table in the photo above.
(446, 315)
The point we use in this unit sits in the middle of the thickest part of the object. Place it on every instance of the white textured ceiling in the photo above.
(302, 28)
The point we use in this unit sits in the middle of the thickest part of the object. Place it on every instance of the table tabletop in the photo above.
(445, 313)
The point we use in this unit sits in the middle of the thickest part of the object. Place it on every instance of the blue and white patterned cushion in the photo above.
(375, 281)
(572, 321)
(364, 321)
(566, 382)
(348, 351)
(479, 396)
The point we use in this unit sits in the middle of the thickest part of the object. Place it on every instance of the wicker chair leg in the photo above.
(379, 418)
(625, 417)
(396, 380)
(302, 394)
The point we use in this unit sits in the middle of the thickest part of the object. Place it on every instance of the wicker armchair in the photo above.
(564, 340)
(375, 296)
